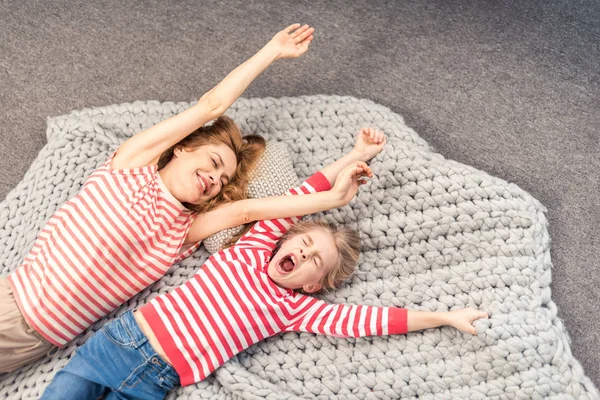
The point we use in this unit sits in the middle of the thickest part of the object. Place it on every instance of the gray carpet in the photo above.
(509, 88)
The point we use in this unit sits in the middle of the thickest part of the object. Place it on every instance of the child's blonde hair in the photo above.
(347, 242)
(247, 151)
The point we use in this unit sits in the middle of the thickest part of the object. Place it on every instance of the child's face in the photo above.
(200, 174)
(303, 260)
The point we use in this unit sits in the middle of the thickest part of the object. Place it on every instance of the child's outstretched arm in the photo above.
(146, 147)
(249, 210)
(461, 319)
(346, 320)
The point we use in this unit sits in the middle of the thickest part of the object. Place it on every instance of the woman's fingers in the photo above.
(290, 28)
(296, 33)
(305, 34)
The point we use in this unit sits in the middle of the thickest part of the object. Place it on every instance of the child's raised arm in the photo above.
(146, 147)
(369, 143)
(249, 210)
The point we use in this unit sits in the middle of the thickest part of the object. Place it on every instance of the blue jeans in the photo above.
(117, 361)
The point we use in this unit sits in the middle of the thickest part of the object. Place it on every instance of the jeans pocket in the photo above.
(116, 333)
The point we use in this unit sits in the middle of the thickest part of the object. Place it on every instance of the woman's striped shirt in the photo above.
(120, 234)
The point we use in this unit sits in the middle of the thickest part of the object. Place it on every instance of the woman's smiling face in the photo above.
(303, 260)
(201, 173)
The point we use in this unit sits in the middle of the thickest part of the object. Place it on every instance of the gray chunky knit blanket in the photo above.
(437, 235)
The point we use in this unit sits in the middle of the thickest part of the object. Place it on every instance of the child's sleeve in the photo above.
(265, 234)
(344, 320)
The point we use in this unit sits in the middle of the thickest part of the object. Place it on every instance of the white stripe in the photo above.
(361, 323)
(328, 327)
(385, 322)
(309, 187)
(340, 323)
(352, 316)
(373, 323)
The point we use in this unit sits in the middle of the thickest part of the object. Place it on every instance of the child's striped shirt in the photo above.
(121, 233)
(231, 303)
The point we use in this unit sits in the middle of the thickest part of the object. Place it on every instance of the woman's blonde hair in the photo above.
(247, 151)
(347, 242)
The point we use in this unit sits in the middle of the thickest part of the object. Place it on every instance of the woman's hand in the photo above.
(292, 42)
(463, 319)
(369, 143)
(348, 181)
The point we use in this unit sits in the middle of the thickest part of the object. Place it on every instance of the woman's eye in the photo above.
(214, 162)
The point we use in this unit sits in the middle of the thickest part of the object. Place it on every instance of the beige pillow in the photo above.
(273, 176)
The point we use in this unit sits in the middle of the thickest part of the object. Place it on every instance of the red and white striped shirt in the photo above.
(121, 233)
(231, 303)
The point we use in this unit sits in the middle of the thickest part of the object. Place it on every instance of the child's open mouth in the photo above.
(286, 264)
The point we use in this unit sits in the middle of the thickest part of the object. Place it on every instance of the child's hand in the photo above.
(463, 319)
(293, 41)
(369, 143)
(348, 181)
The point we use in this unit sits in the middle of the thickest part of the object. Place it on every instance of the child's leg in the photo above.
(119, 359)
(67, 385)
(19, 343)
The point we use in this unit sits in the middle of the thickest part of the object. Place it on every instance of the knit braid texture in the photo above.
(436, 235)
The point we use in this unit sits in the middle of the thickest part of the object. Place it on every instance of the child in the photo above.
(239, 297)
(146, 208)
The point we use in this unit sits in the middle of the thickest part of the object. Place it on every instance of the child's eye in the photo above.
(304, 242)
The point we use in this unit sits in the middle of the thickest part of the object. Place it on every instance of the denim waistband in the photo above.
(140, 341)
